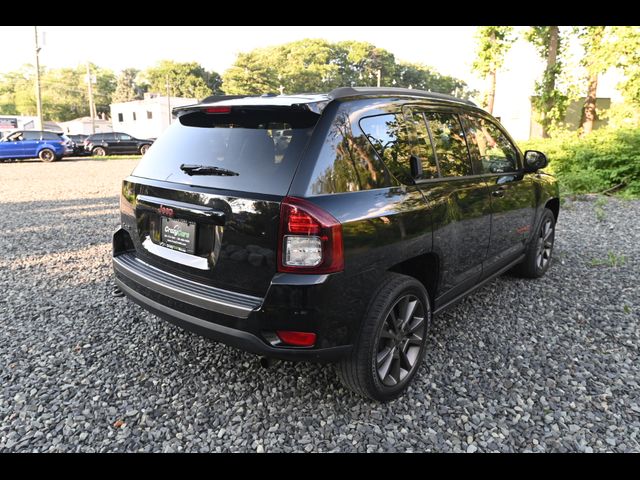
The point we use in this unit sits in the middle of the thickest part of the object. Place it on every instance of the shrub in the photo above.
(597, 162)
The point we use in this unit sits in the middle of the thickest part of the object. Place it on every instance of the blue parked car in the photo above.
(47, 146)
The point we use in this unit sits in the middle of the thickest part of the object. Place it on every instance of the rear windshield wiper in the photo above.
(207, 170)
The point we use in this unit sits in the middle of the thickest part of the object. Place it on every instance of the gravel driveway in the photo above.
(546, 365)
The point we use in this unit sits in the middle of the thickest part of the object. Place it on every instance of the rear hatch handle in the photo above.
(175, 209)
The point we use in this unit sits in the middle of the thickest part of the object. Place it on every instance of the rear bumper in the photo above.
(238, 320)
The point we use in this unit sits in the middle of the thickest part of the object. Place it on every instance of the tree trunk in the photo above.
(589, 110)
(492, 92)
(552, 59)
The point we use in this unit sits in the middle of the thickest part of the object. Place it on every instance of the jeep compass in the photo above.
(330, 227)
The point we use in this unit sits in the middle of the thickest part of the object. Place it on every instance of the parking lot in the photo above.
(521, 365)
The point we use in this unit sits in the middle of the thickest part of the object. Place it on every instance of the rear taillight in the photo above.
(310, 239)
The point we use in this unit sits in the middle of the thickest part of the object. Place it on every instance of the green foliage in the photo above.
(188, 79)
(613, 260)
(550, 103)
(127, 88)
(624, 53)
(602, 160)
(316, 65)
(493, 44)
(64, 92)
(422, 77)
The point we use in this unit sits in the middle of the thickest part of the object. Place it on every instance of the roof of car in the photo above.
(310, 98)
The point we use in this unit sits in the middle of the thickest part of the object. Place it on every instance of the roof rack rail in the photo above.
(343, 92)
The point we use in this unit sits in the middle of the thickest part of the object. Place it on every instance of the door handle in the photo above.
(498, 192)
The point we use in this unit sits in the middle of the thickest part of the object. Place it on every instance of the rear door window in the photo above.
(50, 136)
(262, 145)
(31, 135)
(396, 137)
(450, 144)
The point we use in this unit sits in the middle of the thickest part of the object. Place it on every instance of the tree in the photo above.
(126, 87)
(493, 44)
(64, 92)
(549, 102)
(623, 49)
(188, 79)
(595, 62)
(315, 65)
(422, 77)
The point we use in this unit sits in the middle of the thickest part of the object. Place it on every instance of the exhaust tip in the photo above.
(116, 292)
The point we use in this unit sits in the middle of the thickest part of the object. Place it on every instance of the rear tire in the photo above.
(98, 152)
(391, 345)
(47, 155)
(538, 254)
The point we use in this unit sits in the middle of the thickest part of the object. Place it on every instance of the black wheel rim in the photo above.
(545, 244)
(400, 340)
(46, 155)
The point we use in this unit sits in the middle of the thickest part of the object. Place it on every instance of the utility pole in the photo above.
(38, 92)
(91, 105)
(379, 73)
(169, 98)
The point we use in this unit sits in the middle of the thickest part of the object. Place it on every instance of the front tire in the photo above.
(538, 254)
(391, 344)
(47, 155)
(99, 152)
(143, 149)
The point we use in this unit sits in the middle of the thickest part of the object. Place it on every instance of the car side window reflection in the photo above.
(492, 150)
(450, 144)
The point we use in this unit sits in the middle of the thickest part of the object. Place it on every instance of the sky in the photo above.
(216, 47)
(448, 49)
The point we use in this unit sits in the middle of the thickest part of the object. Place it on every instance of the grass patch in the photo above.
(613, 260)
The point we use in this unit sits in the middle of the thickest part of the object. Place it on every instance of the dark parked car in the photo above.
(78, 144)
(331, 227)
(115, 143)
(47, 146)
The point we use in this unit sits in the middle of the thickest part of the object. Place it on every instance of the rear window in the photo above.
(262, 145)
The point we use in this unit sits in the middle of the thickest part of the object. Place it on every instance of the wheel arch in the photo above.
(553, 204)
(425, 268)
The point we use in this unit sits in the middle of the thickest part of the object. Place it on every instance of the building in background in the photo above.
(145, 118)
(83, 126)
(573, 117)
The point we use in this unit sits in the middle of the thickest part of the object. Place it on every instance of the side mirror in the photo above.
(416, 166)
(534, 161)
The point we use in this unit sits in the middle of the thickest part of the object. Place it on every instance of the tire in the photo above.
(99, 152)
(143, 149)
(538, 254)
(363, 370)
(47, 155)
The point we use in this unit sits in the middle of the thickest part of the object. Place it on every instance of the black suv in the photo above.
(330, 227)
(115, 143)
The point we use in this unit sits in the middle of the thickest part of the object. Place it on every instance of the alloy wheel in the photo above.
(400, 340)
(545, 244)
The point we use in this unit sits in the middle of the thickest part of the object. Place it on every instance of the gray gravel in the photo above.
(547, 365)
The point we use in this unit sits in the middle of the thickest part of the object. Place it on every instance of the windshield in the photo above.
(262, 146)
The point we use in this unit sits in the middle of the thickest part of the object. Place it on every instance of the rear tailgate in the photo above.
(221, 230)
